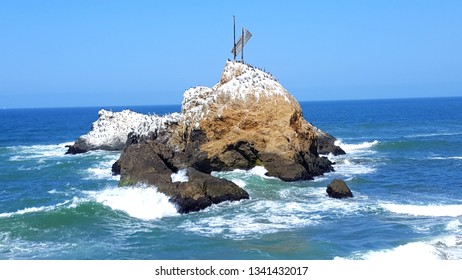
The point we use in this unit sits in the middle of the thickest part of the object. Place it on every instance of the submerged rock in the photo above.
(338, 189)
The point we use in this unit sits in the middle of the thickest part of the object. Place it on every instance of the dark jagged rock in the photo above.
(203, 190)
(76, 148)
(338, 189)
(154, 163)
(304, 167)
(326, 144)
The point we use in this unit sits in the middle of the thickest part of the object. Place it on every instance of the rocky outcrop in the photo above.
(247, 119)
(156, 164)
(113, 130)
(338, 189)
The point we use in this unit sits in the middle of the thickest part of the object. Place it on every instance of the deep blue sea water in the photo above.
(403, 165)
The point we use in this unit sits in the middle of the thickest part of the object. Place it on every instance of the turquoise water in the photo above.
(403, 165)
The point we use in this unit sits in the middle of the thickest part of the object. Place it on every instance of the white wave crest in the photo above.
(38, 152)
(33, 210)
(424, 210)
(357, 159)
(259, 171)
(99, 173)
(180, 176)
(446, 158)
(352, 148)
(453, 225)
(241, 183)
(433, 134)
(103, 169)
(348, 167)
(440, 248)
(412, 251)
(142, 202)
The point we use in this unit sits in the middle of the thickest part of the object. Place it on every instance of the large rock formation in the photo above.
(245, 120)
(249, 119)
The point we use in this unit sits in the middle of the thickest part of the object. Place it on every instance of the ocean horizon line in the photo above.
(179, 104)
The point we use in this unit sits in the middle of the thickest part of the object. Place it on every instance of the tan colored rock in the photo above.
(249, 106)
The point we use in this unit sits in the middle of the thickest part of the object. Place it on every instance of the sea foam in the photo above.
(352, 148)
(142, 202)
(424, 210)
(260, 171)
(412, 251)
(446, 247)
(103, 169)
(180, 176)
(257, 171)
(34, 209)
(38, 152)
(446, 158)
(356, 160)
(347, 167)
(282, 210)
(263, 217)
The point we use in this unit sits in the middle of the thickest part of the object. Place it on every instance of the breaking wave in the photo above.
(352, 148)
(446, 158)
(32, 210)
(180, 176)
(38, 152)
(66, 204)
(142, 202)
(447, 247)
(424, 210)
(357, 159)
(103, 169)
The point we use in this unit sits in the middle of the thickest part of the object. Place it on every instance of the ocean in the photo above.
(403, 165)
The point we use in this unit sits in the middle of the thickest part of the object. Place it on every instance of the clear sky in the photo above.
(96, 53)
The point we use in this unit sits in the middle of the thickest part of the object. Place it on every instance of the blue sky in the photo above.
(97, 53)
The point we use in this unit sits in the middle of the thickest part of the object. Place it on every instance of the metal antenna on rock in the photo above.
(239, 46)
(234, 32)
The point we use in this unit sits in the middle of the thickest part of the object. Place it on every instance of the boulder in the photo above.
(338, 189)
(155, 163)
(202, 190)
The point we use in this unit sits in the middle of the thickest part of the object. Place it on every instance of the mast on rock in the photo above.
(239, 46)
